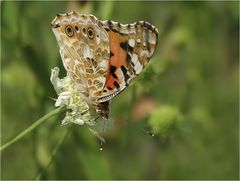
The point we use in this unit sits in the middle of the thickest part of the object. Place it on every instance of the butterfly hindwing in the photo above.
(131, 47)
(84, 48)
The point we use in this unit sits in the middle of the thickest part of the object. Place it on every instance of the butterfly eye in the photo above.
(69, 31)
(90, 33)
(76, 28)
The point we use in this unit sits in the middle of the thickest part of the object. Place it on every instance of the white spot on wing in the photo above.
(87, 52)
(102, 63)
(131, 42)
(134, 59)
(137, 65)
(138, 69)
(97, 40)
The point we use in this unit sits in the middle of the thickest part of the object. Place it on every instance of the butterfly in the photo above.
(103, 57)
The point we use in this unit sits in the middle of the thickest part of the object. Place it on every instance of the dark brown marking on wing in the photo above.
(109, 24)
(146, 34)
(109, 88)
(124, 46)
(128, 58)
(116, 85)
(94, 63)
(112, 71)
(126, 76)
(111, 54)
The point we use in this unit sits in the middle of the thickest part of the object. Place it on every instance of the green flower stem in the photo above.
(32, 127)
(54, 152)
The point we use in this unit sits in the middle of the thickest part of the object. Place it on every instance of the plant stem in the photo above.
(53, 154)
(32, 127)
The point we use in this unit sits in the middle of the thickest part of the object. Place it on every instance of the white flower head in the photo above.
(68, 95)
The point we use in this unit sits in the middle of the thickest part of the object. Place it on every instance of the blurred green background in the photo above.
(187, 96)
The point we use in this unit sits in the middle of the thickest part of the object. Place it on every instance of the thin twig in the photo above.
(53, 154)
(32, 127)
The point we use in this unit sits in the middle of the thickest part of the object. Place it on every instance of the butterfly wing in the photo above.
(104, 65)
(131, 47)
(85, 52)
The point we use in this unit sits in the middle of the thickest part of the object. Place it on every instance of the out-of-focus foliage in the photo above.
(163, 119)
(194, 72)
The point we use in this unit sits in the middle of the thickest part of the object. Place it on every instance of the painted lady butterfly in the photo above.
(102, 57)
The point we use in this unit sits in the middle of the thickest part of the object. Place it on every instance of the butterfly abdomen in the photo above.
(102, 110)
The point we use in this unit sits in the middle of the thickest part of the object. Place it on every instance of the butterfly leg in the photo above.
(102, 110)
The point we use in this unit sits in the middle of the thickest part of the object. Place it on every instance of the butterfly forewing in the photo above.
(131, 47)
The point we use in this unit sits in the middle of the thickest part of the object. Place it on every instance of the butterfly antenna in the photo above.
(95, 119)
(141, 128)
(96, 133)
(104, 124)
(147, 131)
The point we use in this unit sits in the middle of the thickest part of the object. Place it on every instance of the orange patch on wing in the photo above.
(117, 60)
(119, 55)
(110, 82)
